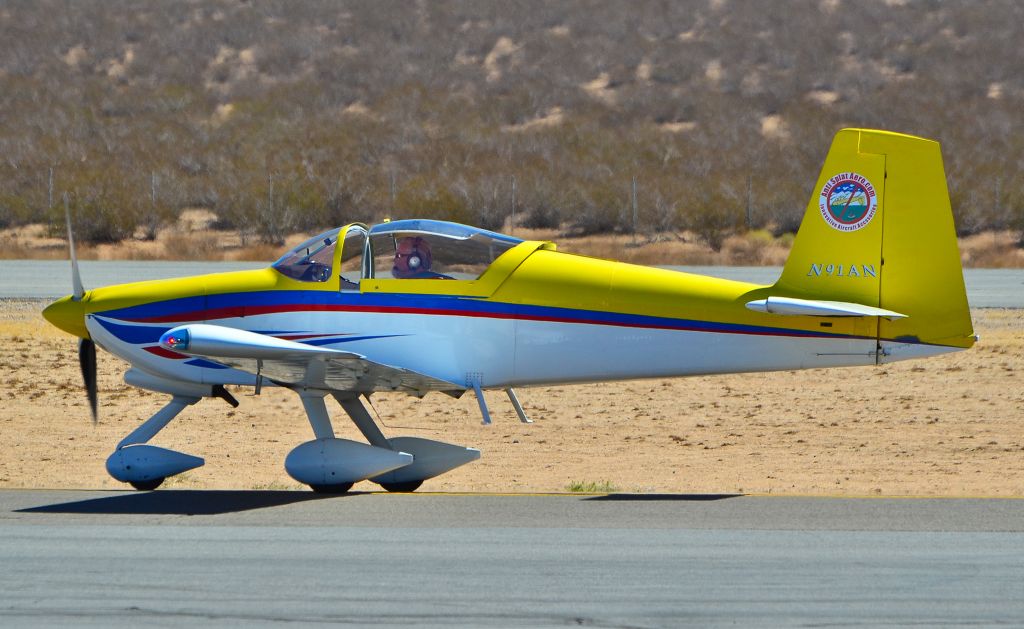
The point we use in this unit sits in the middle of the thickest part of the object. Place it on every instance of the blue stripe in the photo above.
(135, 334)
(469, 305)
(200, 362)
(347, 339)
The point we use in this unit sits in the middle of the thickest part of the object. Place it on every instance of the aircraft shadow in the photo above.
(183, 502)
(665, 497)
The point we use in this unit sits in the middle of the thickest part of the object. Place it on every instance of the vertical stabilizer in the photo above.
(879, 231)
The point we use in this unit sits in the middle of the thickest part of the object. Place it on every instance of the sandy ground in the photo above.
(948, 426)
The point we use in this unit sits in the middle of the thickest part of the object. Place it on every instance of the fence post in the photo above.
(634, 209)
(512, 221)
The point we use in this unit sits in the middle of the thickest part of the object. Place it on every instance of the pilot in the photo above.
(413, 259)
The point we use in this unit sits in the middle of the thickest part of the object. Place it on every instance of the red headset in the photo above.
(418, 259)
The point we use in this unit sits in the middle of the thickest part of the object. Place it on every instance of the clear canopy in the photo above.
(425, 249)
(409, 249)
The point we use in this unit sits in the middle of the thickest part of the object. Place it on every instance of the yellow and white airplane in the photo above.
(418, 306)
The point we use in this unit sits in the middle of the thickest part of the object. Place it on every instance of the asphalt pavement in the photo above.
(261, 558)
(49, 279)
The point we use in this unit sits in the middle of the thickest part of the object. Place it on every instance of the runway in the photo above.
(49, 279)
(230, 558)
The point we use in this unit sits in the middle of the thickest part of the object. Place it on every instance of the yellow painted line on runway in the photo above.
(695, 497)
(883, 497)
(485, 493)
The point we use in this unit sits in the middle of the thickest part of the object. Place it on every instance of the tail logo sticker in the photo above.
(848, 202)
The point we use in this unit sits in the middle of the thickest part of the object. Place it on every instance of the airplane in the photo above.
(421, 306)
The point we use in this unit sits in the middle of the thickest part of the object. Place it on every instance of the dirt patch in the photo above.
(949, 426)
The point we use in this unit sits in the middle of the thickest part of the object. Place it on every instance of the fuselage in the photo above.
(536, 316)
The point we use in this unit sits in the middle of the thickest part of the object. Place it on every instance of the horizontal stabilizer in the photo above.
(819, 308)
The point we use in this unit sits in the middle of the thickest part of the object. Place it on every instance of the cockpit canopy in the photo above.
(408, 249)
(436, 250)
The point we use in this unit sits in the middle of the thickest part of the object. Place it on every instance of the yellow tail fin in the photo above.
(878, 231)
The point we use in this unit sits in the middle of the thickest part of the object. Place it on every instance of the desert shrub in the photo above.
(96, 220)
(14, 210)
(192, 246)
(217, 98)
(541, 216)
(714, 215)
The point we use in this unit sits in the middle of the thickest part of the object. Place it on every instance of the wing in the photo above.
(297, 364)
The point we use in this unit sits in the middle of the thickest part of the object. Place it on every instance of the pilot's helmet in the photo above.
(411, 257)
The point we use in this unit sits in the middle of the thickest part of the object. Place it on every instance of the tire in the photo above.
(147, 485)
(408, 486)
(339, 488)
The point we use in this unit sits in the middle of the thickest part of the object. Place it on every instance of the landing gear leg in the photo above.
(357, 413)
(519, 407)
(158, 421)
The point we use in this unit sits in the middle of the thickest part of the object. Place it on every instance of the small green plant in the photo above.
(592, 487)
(277, 486)
(179, 480)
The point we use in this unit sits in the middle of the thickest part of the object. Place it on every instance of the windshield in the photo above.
(312, 261)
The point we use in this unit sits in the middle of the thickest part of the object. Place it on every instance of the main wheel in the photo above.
(147, 485)
(339, 488)
(406, 487)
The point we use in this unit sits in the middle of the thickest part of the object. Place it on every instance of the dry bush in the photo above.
(256, 253)
(193, 246)
(366, 112)
(993, 250)
(11, 249)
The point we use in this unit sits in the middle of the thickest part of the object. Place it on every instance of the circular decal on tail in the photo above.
(848, 201)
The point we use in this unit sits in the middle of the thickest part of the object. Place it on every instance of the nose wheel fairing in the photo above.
(146, 466)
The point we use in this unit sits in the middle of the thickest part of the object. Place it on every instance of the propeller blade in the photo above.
(76, 278)
(87, 361)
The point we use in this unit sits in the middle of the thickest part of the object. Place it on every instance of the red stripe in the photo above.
(164, 352)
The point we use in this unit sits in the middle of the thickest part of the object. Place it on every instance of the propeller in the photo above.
(76, 278)
(86, 346)
(87, 361)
